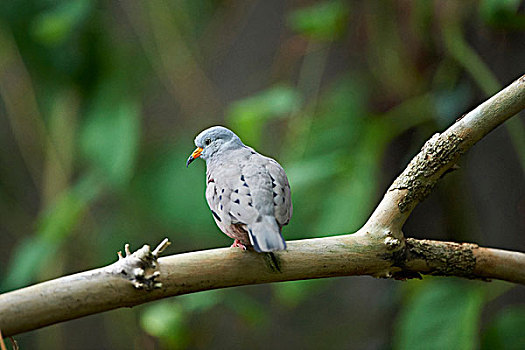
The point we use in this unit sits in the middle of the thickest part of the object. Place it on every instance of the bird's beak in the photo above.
(196, 154)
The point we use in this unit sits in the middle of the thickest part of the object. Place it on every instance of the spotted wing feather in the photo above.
(282, 199)
(230, 201)
(250, 199)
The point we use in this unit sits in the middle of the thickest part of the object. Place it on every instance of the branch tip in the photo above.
(161, 247)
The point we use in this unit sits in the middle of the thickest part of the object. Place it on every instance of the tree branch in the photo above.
(378, 249)
(463, 260)
(438, 155)
(107, 288)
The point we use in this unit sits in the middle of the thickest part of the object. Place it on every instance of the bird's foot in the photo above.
(238, 243)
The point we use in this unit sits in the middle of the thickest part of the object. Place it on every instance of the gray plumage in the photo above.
(248, 193)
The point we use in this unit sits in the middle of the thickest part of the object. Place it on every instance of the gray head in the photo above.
(213, 141)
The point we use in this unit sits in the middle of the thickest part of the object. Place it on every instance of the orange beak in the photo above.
(196, 154)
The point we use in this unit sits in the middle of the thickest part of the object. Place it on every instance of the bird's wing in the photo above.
(229, 196)
(251, 190)
(257, 185)
(282, 198)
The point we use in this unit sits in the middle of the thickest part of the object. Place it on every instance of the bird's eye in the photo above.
(207, 141)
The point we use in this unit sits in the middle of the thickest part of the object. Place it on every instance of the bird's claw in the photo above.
(237, 243)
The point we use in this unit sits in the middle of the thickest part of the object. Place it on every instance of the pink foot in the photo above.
(237, 243)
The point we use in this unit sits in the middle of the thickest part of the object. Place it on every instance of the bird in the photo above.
(249, 194)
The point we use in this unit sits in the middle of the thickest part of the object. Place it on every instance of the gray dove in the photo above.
(248, 193)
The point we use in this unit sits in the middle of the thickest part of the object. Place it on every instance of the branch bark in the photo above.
(106, 288)
(378, 249)
(438, 155)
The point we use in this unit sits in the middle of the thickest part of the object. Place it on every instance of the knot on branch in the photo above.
(428, 257)
(437, 155)
(442, 258)
(392, 243)
(141, 267)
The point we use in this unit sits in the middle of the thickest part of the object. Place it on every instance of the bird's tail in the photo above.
(265, 235)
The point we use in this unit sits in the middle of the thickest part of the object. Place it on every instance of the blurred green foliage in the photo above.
(248, 116)
(442, 315)
(506, 330)
(99, 102)
(110, 135)
(503, 13)
(52, 27)
(325, 20)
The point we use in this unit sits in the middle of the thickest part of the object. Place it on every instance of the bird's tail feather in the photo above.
(265, 236)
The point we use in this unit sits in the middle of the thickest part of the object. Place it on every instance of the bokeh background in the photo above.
(99, 105)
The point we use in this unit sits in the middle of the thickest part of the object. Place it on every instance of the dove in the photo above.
(248, 194)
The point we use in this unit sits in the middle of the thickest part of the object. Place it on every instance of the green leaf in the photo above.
(292, 293)
(56, 25)
(30, 254)
(349, 202)
(506, 330)
(322, 21)
(173, 195)
(166, 320)
(249, 115)
(202, 301)
(502, 13)
(110, 135)
(253, 312)
(440, 314)
(305, 173)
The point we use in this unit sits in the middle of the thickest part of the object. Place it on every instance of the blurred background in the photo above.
(99, 105)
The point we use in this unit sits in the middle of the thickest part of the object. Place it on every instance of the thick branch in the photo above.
(463, 260)
(105, 289)
(438, 155)
(378, 249)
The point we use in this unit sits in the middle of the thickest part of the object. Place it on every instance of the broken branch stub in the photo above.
(140, 267)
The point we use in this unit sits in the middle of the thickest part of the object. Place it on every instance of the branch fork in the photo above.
(378, 249)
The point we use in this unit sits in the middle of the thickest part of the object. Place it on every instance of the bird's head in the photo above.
(213, 141)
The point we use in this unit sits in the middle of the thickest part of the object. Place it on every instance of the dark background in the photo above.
(99, 105)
